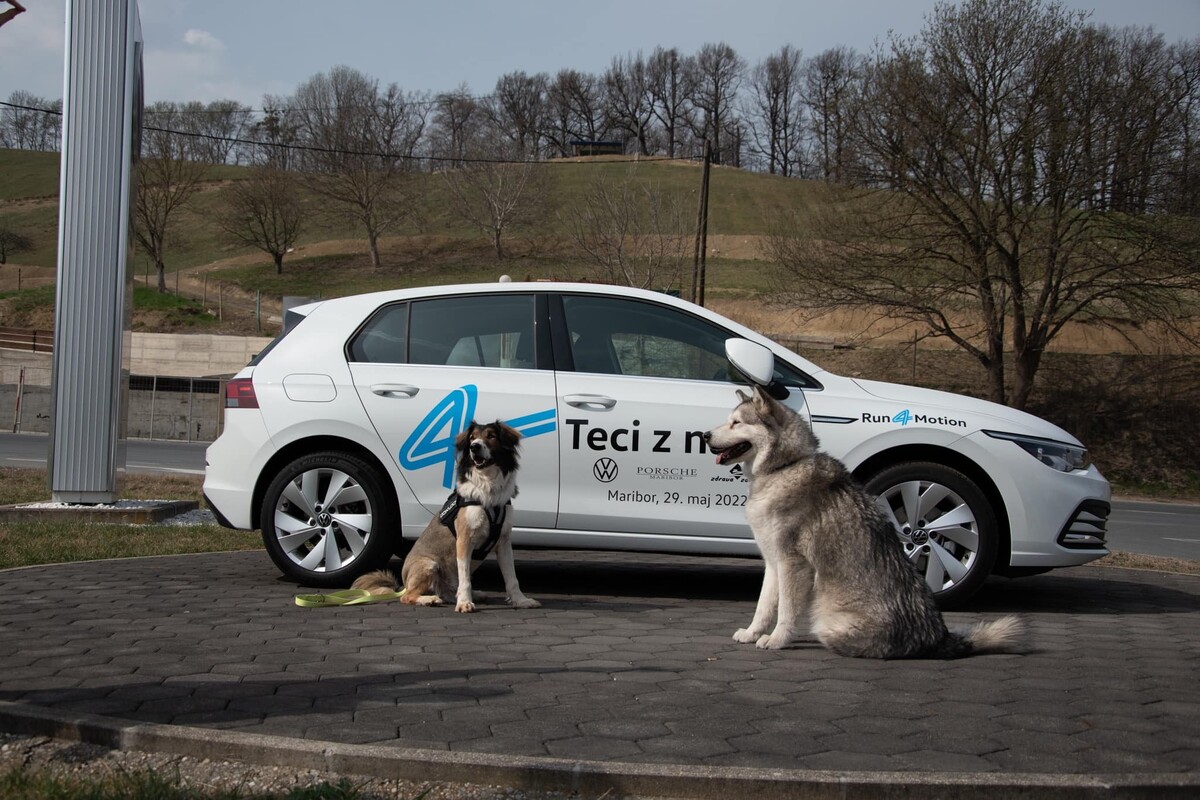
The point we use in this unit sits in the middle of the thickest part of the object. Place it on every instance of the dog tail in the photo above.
(381, 581)
(1004, 635)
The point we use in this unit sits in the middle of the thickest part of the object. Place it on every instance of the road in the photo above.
(142, 455)
(1169, 530)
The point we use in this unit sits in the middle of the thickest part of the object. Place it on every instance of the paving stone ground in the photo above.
(629, 660)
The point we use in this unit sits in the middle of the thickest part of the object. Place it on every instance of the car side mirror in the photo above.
(757, 364)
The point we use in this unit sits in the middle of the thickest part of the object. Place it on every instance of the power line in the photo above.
(364, 153)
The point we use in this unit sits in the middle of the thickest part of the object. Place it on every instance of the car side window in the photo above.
(384, 337)
(615, 336)
(486, 331)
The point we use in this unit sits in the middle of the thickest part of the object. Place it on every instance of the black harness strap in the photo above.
(495, 515)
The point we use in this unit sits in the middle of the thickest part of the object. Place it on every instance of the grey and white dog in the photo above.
(832, 558)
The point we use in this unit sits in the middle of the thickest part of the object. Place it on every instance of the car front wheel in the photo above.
(328, 518)
(945, 523)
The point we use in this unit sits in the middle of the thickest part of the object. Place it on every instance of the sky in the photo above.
(242, 49)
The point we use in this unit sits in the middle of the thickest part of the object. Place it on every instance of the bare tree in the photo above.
(166, 181)
(359, 145)
(264, 211)
(35, 125)
(457, 117)
(984, 237)
(12, 242)
(671, 83)
(632, 233)
(719, 73)
(830, 80)
(495, 196)
(574, 111)
(217, 125)
(1183, 187)
(276, 134)
(627, 98)
(774, 110)
(516, 110)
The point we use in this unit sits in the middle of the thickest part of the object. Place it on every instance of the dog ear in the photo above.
(509, 436)
(763, 402)
(742, 396)
(461, 440)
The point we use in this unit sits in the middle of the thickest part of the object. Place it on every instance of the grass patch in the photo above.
(28, 173)
(29, 308)
(27, 301)
(171, 312)
(29, 543)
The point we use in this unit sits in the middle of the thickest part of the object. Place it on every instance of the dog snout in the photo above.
(707, 436)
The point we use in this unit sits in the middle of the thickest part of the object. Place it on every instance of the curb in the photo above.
(147, 513)
(587, 778)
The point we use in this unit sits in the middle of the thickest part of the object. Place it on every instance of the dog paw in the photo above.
(745, 636)
(524, 602)
(772, 642)
(465, 607)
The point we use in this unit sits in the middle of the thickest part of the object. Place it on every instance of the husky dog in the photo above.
(475, 519)
(830, 554)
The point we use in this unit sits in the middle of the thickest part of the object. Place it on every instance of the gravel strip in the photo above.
(76, 761)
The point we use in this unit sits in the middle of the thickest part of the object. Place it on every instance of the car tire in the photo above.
(327, 518)
(953, 539)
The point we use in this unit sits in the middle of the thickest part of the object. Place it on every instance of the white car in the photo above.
(339, 437)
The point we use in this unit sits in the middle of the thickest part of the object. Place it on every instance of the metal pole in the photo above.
(699, 216)
(153, 398)
(17, 410)
(702, 245)
(191, 395)
(914, 364)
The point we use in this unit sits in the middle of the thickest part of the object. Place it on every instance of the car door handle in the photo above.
(579, 400)
(393, 389)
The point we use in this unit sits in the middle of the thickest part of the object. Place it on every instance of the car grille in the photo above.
(1087, 527)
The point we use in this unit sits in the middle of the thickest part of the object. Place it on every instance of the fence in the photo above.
(160, 407)
(26, 339)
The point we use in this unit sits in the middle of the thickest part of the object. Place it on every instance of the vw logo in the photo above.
(605, 470)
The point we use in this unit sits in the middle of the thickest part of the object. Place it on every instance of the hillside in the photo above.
(742, 204)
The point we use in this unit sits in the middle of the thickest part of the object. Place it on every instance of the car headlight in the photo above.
(1054, 454)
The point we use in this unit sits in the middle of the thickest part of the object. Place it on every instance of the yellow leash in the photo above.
(346, 597)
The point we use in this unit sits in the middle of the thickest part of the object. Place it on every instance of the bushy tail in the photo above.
(381, 581)
(1004, 635)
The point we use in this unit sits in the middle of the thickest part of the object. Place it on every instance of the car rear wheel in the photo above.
(945, 523)
(328, 518)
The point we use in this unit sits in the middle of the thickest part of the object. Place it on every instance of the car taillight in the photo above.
(239, 393)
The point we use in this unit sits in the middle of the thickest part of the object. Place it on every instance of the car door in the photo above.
(425, 369)
(647, 381)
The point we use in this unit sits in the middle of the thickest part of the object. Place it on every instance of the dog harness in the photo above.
(495, 515)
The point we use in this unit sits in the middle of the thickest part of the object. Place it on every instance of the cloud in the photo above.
(202, 40)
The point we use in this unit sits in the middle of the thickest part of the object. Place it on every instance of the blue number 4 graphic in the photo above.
(432, 442)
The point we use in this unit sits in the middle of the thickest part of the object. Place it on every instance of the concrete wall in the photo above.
(192, 355)
(177, 408)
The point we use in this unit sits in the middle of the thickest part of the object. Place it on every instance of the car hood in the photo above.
(983, 413)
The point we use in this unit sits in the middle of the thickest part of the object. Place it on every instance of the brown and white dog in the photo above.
(476, 519)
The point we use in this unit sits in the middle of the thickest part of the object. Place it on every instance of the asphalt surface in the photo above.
(625, 681)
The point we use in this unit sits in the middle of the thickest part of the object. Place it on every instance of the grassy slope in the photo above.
(740, 203)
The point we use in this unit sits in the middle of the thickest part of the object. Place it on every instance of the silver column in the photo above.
(102, 105)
